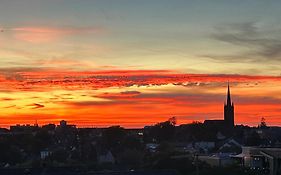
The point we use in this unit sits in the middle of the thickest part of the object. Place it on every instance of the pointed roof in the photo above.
(228, 101)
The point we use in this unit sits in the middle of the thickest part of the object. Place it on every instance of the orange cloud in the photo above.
(36, 106)
(44, 79)
(130, 97)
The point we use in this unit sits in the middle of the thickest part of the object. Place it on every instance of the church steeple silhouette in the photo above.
(227, 124)
(228, 95)
(229, 110)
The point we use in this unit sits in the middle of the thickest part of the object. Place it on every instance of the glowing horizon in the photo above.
(129, 97)
(131, 63)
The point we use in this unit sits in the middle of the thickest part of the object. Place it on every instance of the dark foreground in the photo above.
(73, 171)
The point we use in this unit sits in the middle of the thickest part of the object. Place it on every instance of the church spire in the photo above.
(229, 110)
(228, 101)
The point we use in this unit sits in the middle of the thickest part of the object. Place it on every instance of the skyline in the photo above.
(132, 63)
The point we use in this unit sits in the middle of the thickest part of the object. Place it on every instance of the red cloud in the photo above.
(21, 80)
(127, 107)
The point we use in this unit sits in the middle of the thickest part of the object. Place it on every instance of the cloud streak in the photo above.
(36, 106)
(39, 34)
(44, 80)
(261, 45)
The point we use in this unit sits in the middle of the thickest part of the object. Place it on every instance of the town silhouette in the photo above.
(211, 147)
(140, 87)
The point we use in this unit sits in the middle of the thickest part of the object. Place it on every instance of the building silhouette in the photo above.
(228, 122)
(229, 110)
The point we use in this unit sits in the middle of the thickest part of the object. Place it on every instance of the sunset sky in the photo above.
(138, 62)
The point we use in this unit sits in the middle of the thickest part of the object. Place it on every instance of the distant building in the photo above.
(106, 157)
(4, 131)
(228, 122)
(64, 125)
(49, 127)
(151, 147)
(23, 128)
(230, 146)
(261, 159)
(217, 160)
(204, 146)
(44, 154)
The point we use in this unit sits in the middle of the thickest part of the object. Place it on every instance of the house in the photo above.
(106, 157)
(230, 146)
(261, 159)
(273, 157)
(44, 154)
(217, 160)
(220, 136)
(204, 146)
(151, 147)
(183, 148)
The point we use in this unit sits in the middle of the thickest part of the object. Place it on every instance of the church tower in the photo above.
(229, 110)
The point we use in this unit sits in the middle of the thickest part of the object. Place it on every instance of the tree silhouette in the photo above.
(263, 124)
(164, 131)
